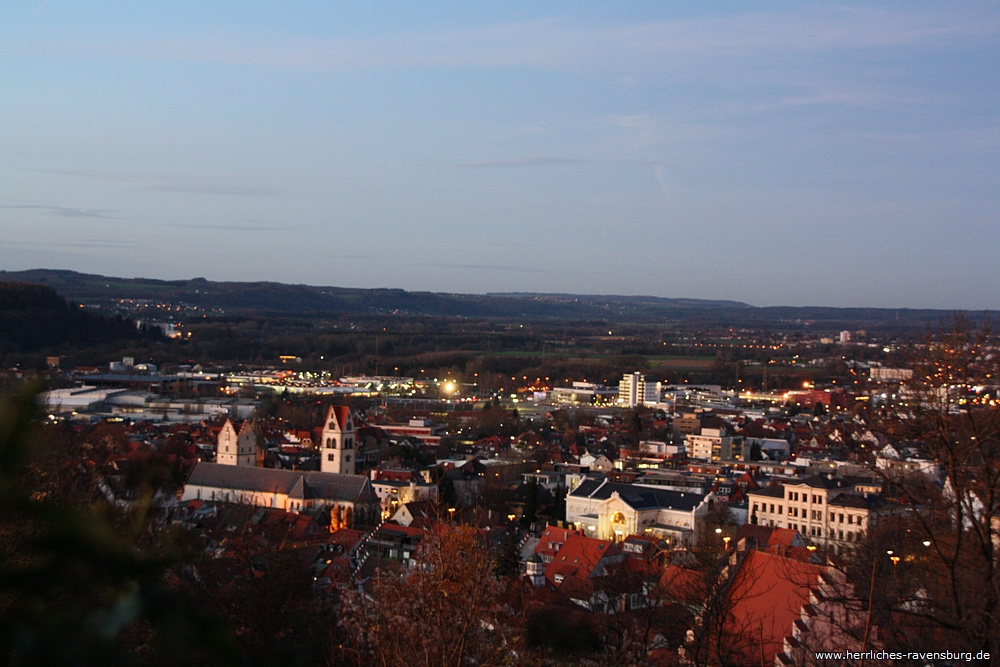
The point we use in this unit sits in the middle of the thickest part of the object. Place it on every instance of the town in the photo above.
(674, 523)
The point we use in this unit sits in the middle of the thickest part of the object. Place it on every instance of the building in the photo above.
(827, 511)
(239, 449)
(713, 444)
(337, 442)
(634, 390)
(351, 498)
(891, 375)
(613, 510)
(421, 429)
(778, 611)
(583, 393)
(398, 486)
(552, 540)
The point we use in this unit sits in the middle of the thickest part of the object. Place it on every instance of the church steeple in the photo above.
(337, 443)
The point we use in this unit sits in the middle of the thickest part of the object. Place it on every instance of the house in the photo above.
(397, 486)
(581, 558)
(552, 540)
(418, 514)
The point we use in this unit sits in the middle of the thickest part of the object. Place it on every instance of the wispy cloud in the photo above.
(180, 183)
(551, 162)
(68, 212)
(234, 228)
(115, 245)
(568, 43)
(484, 267)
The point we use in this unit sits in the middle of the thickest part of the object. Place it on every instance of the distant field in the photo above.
(681, 362)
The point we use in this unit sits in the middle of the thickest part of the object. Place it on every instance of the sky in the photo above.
(772, 153)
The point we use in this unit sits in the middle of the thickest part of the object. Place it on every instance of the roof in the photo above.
(294, 483)
(638, 497)
(820, 482)
(580, 557)
(339, 415)
(767, 595)
(867, 501)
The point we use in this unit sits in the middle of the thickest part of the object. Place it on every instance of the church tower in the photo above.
(337, 444)
(237, 449)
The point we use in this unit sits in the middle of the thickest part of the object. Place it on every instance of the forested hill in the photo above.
(277, 298)
(282, 298)
(34, 318)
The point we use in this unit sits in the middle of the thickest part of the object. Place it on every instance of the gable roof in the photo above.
(340, 415)
(767, 595)
(294, 483)
(580, 557)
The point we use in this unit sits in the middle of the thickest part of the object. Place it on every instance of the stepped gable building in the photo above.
(336, 446)
(351, 498)
(613, 510)
(239, 447)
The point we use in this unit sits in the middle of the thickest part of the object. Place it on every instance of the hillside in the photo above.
(34, 318)
(279, 298)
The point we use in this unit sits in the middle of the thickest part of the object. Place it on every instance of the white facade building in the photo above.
(237, 449)
(337, 443)
(613, 511)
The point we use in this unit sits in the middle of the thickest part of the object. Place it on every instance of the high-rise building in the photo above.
(634, 390)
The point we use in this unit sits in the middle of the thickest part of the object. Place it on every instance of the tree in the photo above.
(946, 581)
(531, 500)
(84, 581)
(448, 611)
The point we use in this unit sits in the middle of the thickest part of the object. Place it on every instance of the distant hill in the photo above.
(34, 317)
(271, 297)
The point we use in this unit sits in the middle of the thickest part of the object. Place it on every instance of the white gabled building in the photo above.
(238, 449)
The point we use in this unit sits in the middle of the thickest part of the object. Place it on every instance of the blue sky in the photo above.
(773, 153)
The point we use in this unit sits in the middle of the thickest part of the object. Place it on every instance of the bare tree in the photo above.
(943, 583)
(448, 610)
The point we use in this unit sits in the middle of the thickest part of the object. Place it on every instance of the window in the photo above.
(779, 509)
(331, 457)
(795, 511)
(850, 519)
(347, 458)
(831, 517)
(772, 508)
(840, 518)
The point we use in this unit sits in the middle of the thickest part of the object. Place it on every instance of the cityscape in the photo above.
(499, 335)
